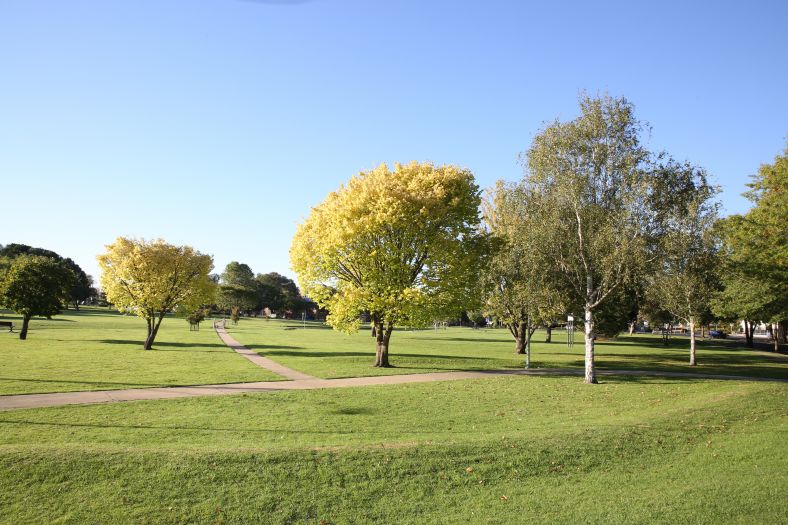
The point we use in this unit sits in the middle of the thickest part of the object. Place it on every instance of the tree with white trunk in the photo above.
(686, 277)
(596, 182)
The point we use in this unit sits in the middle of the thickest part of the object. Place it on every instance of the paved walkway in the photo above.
(254, 357)
(15, 402)
(301, 381)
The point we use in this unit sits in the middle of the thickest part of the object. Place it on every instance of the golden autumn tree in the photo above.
(403, 245)
(151, 278)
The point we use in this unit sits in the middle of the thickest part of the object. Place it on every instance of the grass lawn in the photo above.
(500, 450)
(95, 349)
(322, 352)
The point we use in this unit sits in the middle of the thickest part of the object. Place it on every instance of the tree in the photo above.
(618, 312)
(687, 278)
(151, 278)
(238, 274)
(593, 175)
(81, 290)
(403, 245)
(278, 293)
(35, 285)
(237, 287)
(516, 288)
(235, 314)
(744, 297)
(756, 249)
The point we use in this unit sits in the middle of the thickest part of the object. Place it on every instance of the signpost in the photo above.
(570, 331)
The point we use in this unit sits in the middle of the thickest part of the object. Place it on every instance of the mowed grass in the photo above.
(320, 351)
(499, 450)
(97, 349)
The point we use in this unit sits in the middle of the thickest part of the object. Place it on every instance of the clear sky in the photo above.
(219, 123)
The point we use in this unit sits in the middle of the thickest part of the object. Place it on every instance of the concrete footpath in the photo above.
(301, 381)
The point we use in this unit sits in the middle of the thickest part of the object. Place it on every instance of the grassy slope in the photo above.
(95, 349)
(322, 352)
(624, 451)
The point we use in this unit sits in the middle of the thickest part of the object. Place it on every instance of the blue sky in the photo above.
(219, 123)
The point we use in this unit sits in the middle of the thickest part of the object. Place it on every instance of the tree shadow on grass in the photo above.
(266, 348)
(157, 344)
(370, 355)
(125, 384)
(354, 411)
(464, 340)
(199, 428)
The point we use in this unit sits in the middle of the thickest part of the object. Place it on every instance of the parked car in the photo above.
(717, 334)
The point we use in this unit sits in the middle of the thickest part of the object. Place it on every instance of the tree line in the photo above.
(39, 282)
(148, 278)
(599, 227)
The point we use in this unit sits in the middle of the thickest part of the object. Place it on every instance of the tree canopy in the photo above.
(403, 245)
(82, 286)
(237, 287)
(593, 176)
(755, 249)
(686, 278)
(152, 278)
(278, 293)
(35, 285)
(518, 289)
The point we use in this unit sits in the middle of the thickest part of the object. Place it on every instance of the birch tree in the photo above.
(592, 173)
(402, 244)
(687, 277)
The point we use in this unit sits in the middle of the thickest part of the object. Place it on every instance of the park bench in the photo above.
(9, 324)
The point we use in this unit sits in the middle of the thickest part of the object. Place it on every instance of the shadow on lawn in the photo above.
(464, 339)
(371, 354)
(199, 428)
(157, 344)
(263, 348)
(125, 383)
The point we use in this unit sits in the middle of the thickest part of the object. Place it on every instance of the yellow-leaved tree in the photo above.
(151, 278)
(403, 245)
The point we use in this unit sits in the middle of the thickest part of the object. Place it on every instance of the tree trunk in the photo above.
(693, 361)
(153, 329)
(529, 333)
(549, 337)
(776, 336)
(519, 338)
(590, 374)
(631, 327)
(25, 323)
(748, 333)
(382, 336)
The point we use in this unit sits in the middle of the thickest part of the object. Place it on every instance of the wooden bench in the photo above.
(9, 324)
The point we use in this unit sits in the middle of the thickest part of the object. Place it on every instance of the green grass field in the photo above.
(503, 450)
(95, 349)
(322, 352)
(510, 449)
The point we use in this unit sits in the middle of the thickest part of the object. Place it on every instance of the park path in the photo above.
(254, 357)
(15, 402)
(301, 381)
